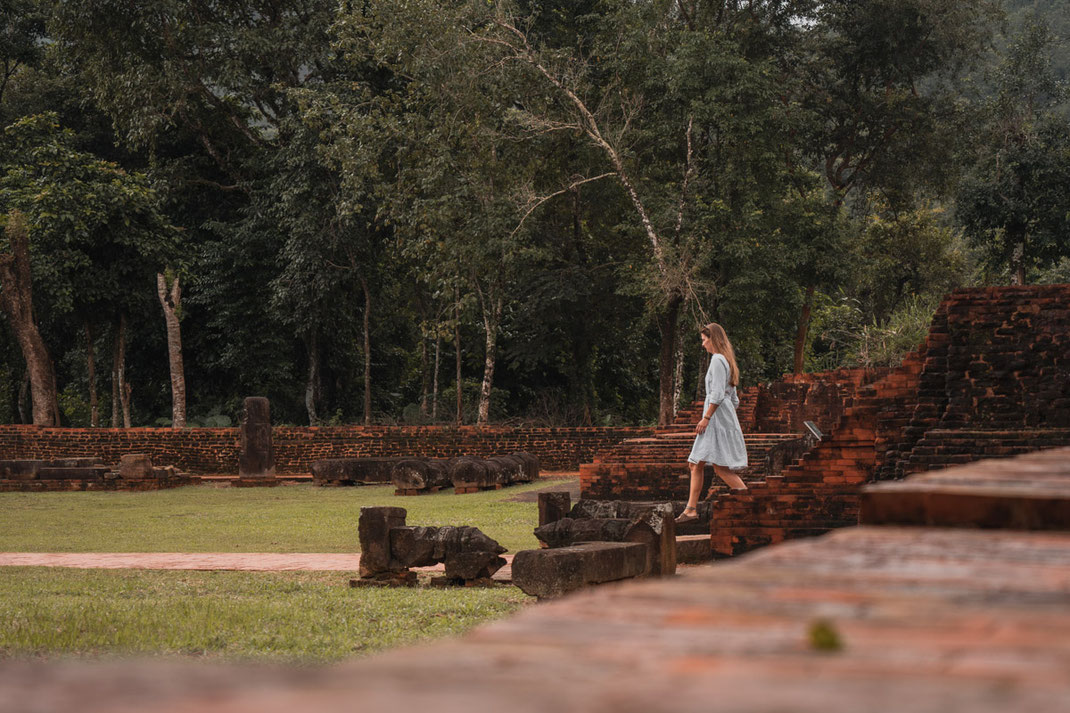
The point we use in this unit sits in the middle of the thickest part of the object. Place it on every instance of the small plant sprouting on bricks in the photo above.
(824, 636)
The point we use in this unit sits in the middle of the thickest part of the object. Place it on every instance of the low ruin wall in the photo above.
(215, 450)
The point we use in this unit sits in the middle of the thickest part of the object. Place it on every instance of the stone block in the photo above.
(553, 506)
(419, 474)
(426, 546)
(589, 508)
(76, 462)
(531, 465)
(373, 529)
(20, 469)
(352, 471)
(467, 472)
(569, 531)
(257, 458)
(555, 572)
(84, 473)
(656, 529)
(511, 469)
(473, 565)
(135, 466)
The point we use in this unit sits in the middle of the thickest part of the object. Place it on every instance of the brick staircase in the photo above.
(655, 467)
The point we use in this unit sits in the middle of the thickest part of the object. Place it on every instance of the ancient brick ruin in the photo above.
(135, 471)
(772, 416)
(991, 380)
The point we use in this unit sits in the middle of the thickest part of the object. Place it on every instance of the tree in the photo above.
(169, 291)
(683, 119)
(96, 233)
(16, 299)
(875, 107)
(1015, 200)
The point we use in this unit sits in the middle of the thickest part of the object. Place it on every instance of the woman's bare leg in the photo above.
(732, 480)
(698, 474)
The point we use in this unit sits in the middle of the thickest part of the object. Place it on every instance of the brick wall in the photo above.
(782, 406)
(991, 379)
(215, 450)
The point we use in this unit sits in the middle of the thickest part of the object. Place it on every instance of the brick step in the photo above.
(670, 454)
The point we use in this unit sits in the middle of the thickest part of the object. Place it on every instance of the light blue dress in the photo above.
(722, 441)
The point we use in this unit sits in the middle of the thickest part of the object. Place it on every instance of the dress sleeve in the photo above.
(717, 381)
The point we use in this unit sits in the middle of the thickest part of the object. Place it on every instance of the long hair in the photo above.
(720, 342)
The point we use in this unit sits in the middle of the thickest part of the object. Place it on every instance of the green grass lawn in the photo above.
(287, 616)
(297, 518)
(277, 616)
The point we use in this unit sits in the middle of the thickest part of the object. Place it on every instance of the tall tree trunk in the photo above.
(24, 396)
(16, 300)
(1018, 263)
(115, 380)
(434, 379)
(804, 326)
(367, 352)
(312, 383)
(91, 369)
(678, 373)
(457, 351)
(667, 325)
(171, 301)
(491, 306)
(121, 385)
(425, 378)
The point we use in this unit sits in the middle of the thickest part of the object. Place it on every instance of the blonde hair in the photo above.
(724, 347)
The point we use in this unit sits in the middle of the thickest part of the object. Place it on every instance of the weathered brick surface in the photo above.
(1029, 492)
(216, 450)
(929, 620)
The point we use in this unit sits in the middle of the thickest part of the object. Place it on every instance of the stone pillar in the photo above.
(257, 459)
(373, 529)
(553, 506)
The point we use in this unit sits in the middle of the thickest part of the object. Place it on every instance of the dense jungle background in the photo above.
(416, 211)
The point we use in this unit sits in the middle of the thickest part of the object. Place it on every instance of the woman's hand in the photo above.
(701, 427)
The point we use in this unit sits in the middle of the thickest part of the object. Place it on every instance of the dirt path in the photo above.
(247, 561)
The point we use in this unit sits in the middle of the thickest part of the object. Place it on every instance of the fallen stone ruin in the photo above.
(134, 472)
(353, 471)
(595, 542)
(414, 476)
(388, 548)
(418, 476)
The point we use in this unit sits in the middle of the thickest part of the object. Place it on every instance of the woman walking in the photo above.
(719, 439)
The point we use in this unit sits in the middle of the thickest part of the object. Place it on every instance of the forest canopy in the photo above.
(467, 211)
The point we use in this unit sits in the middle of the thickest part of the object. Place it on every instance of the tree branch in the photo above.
(566, 189)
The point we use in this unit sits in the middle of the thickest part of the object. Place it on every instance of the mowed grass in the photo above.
(274, 616)
(294, 518)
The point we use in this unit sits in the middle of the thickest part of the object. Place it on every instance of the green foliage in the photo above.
(1015, 200)
(433, 153)
(843, 338)
(95, 230)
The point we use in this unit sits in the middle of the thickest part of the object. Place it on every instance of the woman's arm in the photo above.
(716, 391)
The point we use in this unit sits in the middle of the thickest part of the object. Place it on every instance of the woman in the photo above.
(719, 439)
